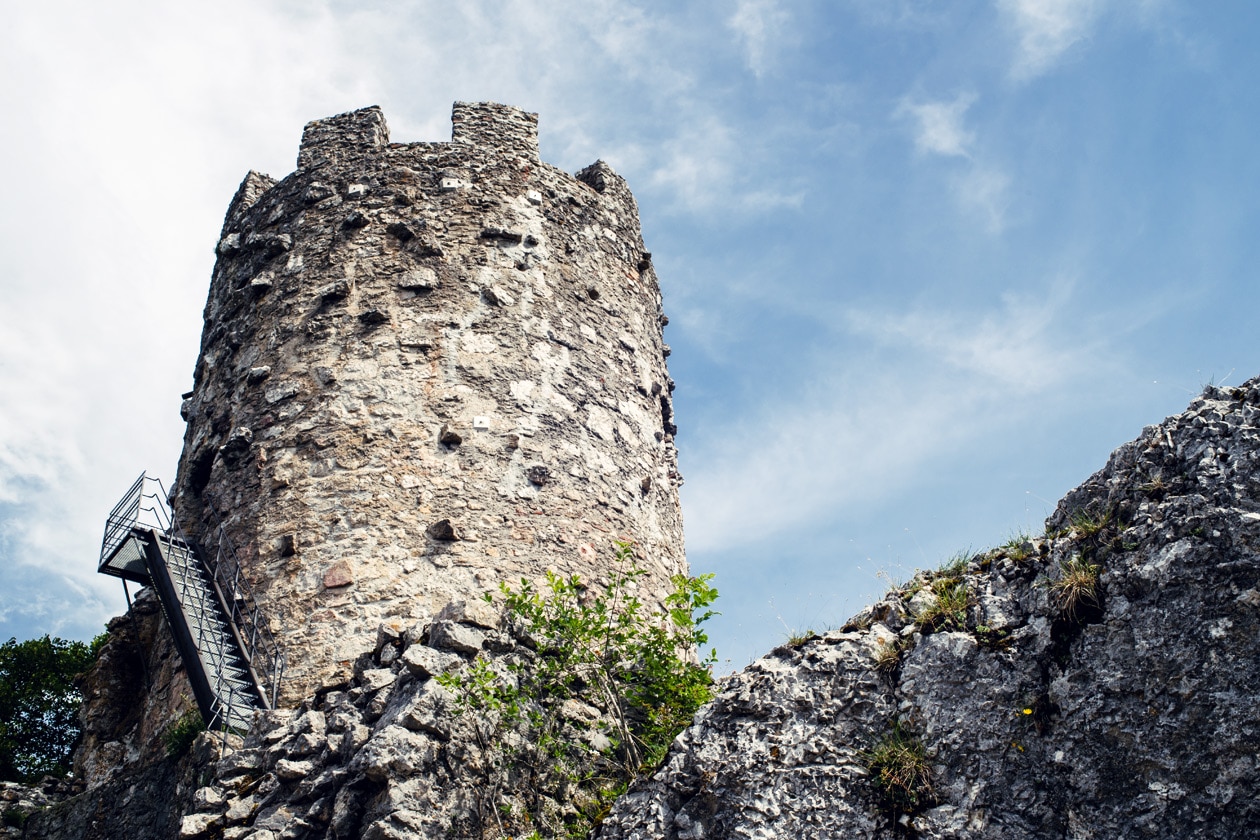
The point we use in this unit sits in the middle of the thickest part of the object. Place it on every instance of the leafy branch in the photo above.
(608, 686)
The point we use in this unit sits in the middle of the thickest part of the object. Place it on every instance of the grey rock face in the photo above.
(1135, 713)
(147, 801)
(426, 368)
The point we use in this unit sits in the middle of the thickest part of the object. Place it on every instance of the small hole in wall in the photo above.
(200, 468)
(592, 293)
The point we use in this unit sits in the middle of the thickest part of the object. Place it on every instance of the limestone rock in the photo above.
(424, 661)
(1129, 712)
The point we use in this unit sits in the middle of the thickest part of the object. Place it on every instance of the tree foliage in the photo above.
(39, 705)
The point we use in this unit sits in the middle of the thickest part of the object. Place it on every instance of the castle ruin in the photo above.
(427, 368)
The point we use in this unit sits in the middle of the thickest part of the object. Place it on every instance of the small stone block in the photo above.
(451, 635)
(339, 574)
(293, 770)
(445, 530)
(424, 661)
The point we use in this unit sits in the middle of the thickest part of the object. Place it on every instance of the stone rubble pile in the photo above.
(386, 756)
(18, 801)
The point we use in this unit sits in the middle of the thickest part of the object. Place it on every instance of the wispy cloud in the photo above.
(940, 129)
(758, 24)
(1046, 29)
(708, 164)
(984, 191)
(939, 125)
(1014, 347)
(939, 380)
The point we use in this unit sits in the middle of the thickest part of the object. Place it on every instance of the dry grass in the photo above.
(899, 767)
(888, 656)
(1077, 585)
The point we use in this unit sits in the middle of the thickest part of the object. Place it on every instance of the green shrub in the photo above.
(179, 736)
(602, 648)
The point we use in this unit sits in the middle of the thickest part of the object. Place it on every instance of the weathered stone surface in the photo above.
(339, 574)
(374, 679)
(1133, 715)
(424, 661)
(140, 801)
(451, 635)
(133, 691)
(433, 401)
(196, 826)
(477, 612)
(289, 770)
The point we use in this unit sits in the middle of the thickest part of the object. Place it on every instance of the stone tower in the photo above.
(426, 368)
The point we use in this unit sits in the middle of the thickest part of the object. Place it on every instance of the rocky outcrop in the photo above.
(142, 802)
(1098, 681)
(132, 692)
(19, 801)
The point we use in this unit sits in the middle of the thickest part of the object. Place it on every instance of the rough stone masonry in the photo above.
(427, 368)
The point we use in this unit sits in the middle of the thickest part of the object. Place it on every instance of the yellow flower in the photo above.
(1028, 711)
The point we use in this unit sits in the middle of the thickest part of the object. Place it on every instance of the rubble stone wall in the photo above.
(427, 368)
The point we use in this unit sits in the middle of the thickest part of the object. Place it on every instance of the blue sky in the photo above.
(926, 263)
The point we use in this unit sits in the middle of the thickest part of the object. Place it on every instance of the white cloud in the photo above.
(1046, 29)
(1015, 347)
(758, 24)
(935, 382)
(940, 126)
(707, 164)
(940, 129)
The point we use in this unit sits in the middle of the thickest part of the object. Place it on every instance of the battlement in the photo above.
(356, 135)
(490, 125)
(350, 136)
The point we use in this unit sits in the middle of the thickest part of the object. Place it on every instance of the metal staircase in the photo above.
(230, 655)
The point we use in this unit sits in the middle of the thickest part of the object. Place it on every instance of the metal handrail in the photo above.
(259, 646)
(145, 505)
(122, 519)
